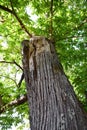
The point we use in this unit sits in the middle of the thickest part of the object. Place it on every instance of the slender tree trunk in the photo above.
(52, 102)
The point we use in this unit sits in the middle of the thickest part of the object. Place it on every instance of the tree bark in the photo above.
(52, 101)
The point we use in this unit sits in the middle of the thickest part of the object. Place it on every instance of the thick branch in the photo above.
(18, 19)
(6, 9)
(15, 103)
(22, 25)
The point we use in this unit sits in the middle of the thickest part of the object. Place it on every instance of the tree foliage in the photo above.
(65, 22)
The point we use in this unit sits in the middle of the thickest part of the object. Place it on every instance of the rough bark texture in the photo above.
(52, 102)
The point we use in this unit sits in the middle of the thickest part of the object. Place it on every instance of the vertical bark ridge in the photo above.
(52, 100)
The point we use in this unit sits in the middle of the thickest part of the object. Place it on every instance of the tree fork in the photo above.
(52, 101)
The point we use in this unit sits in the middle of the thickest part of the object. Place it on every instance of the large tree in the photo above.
(55, 105)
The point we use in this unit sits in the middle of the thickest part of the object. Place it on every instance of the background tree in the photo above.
(66, 21)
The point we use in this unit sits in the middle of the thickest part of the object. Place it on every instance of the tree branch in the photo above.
(12, 62)
(18, 19)
(17, 65)
(6, 9)
(22, 77)
(15, 103)
(10, 79)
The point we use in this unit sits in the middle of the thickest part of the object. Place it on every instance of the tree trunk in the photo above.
(52, 101)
